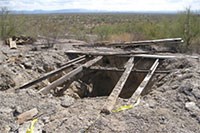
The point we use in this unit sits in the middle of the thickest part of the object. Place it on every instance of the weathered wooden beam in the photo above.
(118, 87)
(148, 42)
(73, 60)
(105, 53)
(69, 75)
(27, 115)
(114, 69)
(144, 83)
(134, 43)
(159, 56)
(65, 66)
(156, 56)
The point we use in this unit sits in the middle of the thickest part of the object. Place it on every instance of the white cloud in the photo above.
(110, 5)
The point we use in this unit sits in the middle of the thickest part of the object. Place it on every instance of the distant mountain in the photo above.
(55, 11)
(90, 11)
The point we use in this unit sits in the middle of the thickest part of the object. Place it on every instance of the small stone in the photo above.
(40, 69)
(17, 111)
(67, 101)
(175, 87)
(7, 128)
(198, 119)
(151, 104)
(162, 120)
(46, 119)
(27, 65)
(191, 106)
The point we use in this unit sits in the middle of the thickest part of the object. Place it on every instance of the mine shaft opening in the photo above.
(101, 82)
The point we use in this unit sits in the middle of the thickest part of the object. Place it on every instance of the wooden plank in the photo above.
(69, 75)
(67, 65)
(27, 115)
(148, 42)
(73, 60)
(134, 43)
(105, 53)
(144, 83)
(114, 69)
(159, 56)
(12, 43)
(156, 56)
(118, 87)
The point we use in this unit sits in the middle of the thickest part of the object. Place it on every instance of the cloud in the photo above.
(109, 5)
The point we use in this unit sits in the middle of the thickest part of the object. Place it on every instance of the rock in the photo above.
(28, 64)
(17, 111)
(46, 119)
(186, 89)
(151, 103)
(40, 69)
(162, 120)
(185, 76)
(14, 127)
(196, 92)
(67, 101)
(198, 119)
(174, 87)
(191, 106)
(6, 129)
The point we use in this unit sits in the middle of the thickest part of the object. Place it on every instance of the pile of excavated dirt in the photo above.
(172, 104)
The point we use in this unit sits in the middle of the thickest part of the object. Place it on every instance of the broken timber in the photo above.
(69, 75)
(114, 69)
(12, 43)
(144, 83)
(117, 89)
(64, 66)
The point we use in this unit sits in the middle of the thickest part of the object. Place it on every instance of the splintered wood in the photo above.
(117, 89)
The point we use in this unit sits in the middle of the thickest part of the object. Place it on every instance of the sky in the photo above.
(107, 5)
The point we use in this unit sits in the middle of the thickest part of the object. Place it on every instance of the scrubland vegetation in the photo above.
(106, 27)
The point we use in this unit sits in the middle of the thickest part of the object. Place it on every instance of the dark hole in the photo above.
(101, 83)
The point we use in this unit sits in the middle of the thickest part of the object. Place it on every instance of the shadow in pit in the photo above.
(102, 82)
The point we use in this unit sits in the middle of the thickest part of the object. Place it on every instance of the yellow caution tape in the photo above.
(125, 107)
(122, 108)
(31, 128)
